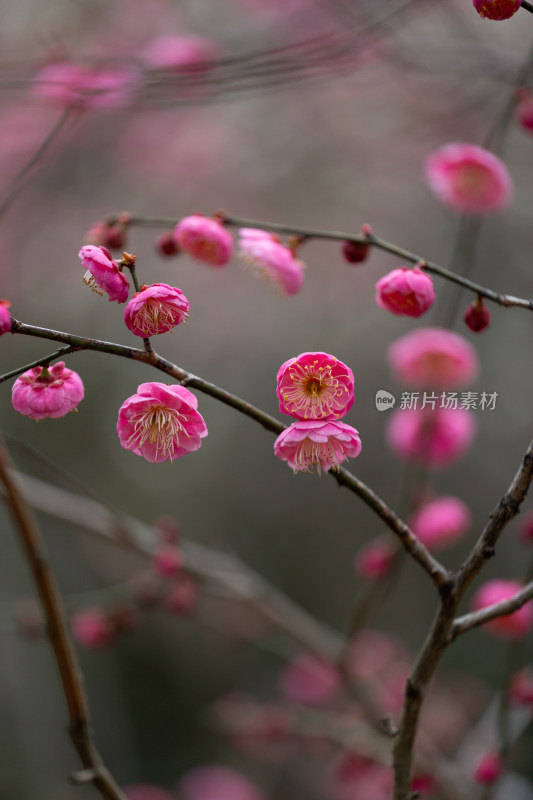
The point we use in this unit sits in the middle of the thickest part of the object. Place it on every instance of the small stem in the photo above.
(527, 6)
(62, 351)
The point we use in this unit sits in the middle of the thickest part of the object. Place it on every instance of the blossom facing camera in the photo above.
(321, 443)
(441, 523)
(204, 239)
(155, 309)
(271, 260)
(469, 178)
(103, 274)
(161, 422)
(405, 291)
(5, 317)
(511, 626)
(433, 357)
(315, 386)
(47, 392)
(92, 629)
(497, 9)
(437, 439)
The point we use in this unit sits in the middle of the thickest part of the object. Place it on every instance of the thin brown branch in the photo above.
(484, 615)
(58, 633)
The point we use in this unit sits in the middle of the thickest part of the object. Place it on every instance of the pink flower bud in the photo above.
(308, 681)
(488, 768)
(469, 178)
(437, 438)
(161, 422)
(405, 291)
(205, 240)
(441, 523)
(166, 244)
(156, 309)
(375, 559)
(321, 443)
(315, 386)
(182, 597)
(497, 9)
(168, 561)
(216, 782)
(357, 252)
(103, 274)
(47, 392)
(271, 260)
(5, 317)
(92, 628)
(511, 626)
(477, 317)
(433, 357)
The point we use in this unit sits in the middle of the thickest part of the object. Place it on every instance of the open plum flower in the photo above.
(270, 259)
(315, 386)
(156, 309)
(204, 239)
(161, 422)
(103, 274)
(321, 443)
(43, 392)
(405, 291)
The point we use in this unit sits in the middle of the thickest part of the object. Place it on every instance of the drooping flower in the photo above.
(217, 782)
(497, 9)
(92, 629)
(433, 357)
(103, 273)
(321, 443)
(161, 422)
(205, 239)
(436, 438)
(47, 392)
(405, 291)
(155, 309)
(266, 255)
(5, 317)
(309, 681)
(469, 178)
(375, 559)
(511, 626)
(477, 316)
(441, 522)
(315, 386)
(70, 84)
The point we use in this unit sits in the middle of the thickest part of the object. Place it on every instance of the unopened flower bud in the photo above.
(476, 316)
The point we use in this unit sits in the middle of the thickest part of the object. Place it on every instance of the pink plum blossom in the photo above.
(217, 782)
(70, 84)
(103, 273)
(355, 777)
(161, 422)
(308, 681)
(166, 244)
(155, 309)
(142, 791)
(180, 53)
(433, 357)
(488, 768)
(204, 239)
(511, 626)
(441, 522)
(92, 628)
(266, 255)
(5, 317)
(47, 391)
(405, 291)
(469, 178)
(436, 438)
(315, 386)
(497, 9)
(324, 443)
(375, 559)
(168, 560)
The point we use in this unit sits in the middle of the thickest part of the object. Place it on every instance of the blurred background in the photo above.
(309, 113)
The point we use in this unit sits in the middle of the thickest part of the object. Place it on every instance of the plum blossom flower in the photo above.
(433, 357)
(497, 9)
(217, 782)
(70, 84)
(469, 178)
(355, 776)
(92, 628)
(155, 309)
(103, 273)
(511, 626)
(375, 559)
(204, 239)
(477, 316)
(47, 391)
(315, 386)
(437, 438)
(266, 255)
(5, 317)
(308, 681)
(161, 422)
(324, 443)
(441, 522)
(405, 291)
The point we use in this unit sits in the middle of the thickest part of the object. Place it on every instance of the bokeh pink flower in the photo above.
(179, 53)
(270, 259)
(156, 309)
(309, 681)
(441, 523)
(469, 178)
(497, 9)
(315, 386)
(488, 768)
(144, 791)
(204, 239)
(43, 392)
(433, 357)
(168, 560)
(323, 444)
(5, 317)
(405, 291)
(92, 629)
(434, 438)
(217, 782)
(182, 596)
(375, 559)
(511, 626)
(103, 274)
(69, 84)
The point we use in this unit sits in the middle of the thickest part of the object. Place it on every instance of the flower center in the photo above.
(326, 455)
(157, 317)
(472, 180)
(315, 390)
(160, 426)
(90, 281)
